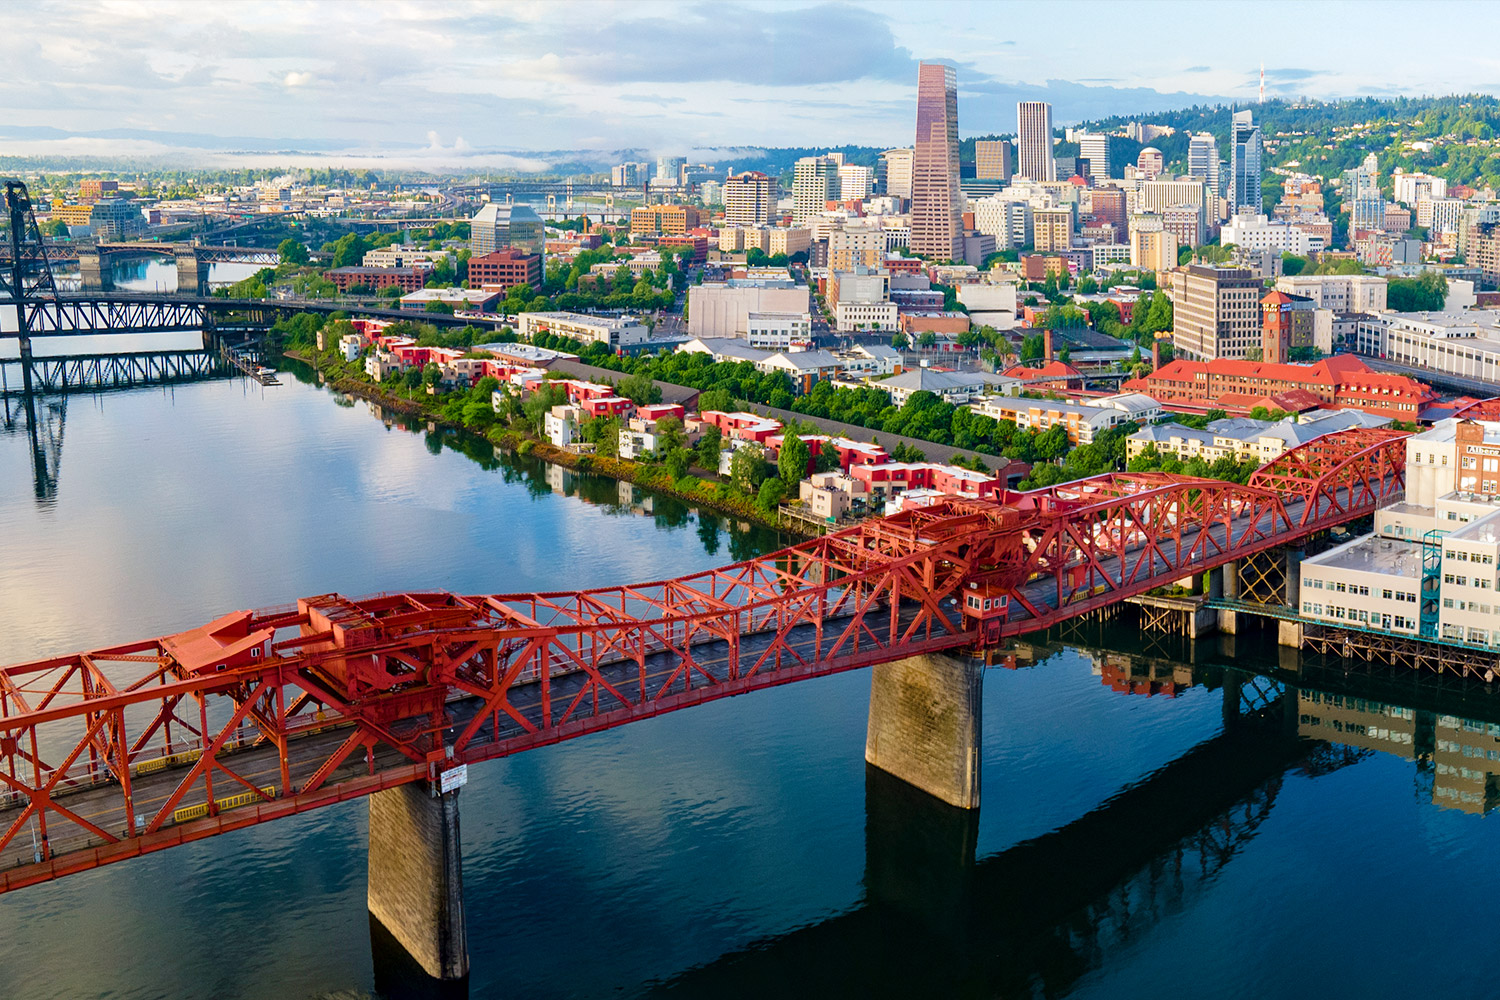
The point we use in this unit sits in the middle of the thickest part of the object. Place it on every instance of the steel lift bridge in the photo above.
(116, 752)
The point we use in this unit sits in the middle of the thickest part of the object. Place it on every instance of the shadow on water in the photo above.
(399, 977)
(936, 922)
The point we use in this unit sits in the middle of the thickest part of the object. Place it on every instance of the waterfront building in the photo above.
(408, 279)
(674, 220)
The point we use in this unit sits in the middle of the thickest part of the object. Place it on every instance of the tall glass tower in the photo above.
(936, 211)
(1244, 165)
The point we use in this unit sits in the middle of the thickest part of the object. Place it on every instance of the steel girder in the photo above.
(121, 751)
(72, 317)
(1340, 475)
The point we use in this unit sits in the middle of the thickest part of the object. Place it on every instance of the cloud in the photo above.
(1287, 75)
(1198, 69)
(828, 43)
(295, 79)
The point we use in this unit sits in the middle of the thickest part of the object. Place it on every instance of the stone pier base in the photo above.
(925, 725)
(1229, 622)
(1289, 634)
(416, 887)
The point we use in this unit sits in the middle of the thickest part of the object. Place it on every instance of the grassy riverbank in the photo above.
(350, 379)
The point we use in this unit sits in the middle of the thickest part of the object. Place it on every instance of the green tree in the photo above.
(928, 339)
(669, 435)
(292, 252)
(432, 375)
(747, 468)
(771, 493)
(57, 228)
(793, 459)
(640, 389)
(709, 446)
(718, 400)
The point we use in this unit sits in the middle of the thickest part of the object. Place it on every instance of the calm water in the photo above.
(1128, 846)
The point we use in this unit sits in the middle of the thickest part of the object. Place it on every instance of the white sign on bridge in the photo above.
(454, 777)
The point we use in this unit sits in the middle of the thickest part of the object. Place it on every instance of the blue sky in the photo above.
(465, 82)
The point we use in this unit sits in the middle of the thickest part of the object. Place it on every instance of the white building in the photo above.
(1338, 292)
(398, 255)
(560, 424)
(850, 317)
(1256, 233)
(1010, 222)
(723, 310)
(951, 387)
(613, 331)
(855, 182)
(1412, 188)
(1465, 344)
(778, 331)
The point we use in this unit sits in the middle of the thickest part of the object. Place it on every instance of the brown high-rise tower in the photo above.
(936, 220)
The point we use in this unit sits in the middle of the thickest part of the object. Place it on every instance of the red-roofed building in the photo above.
(1065, 376)
(1340, 382)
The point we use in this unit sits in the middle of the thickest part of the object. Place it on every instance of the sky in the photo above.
(456, 84)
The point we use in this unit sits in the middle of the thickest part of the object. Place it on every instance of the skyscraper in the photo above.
(749, 199)
(992, 160)
(895, 172)
(1361, 192)
(855, 182)
(1034, 141)
(936, 219)
(815, 182)
(1244, 165)
(1203, 163)
(1094, 147)
(669, 169)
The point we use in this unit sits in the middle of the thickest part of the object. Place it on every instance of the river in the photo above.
(738, 848)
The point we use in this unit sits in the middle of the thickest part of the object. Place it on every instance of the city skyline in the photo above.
(462, 84)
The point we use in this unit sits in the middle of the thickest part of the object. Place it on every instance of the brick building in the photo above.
(408, 279)
(1339, 382)
(506, 268)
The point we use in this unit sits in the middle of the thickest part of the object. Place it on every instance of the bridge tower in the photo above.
(30, 275)
(416, 884)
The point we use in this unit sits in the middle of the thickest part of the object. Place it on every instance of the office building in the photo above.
(1255, 232)
(1150, 164)
(629, 174)
(1361, 193)
(1153, 250)
(506, 268)
(1094, 147)
(936, 222)
(1052, 229)
(1412, 188)
(1203, 163)
(723, 310)
(1034, 141)
(1244, 165)
(749, 199)
(855, 183)
(667, 219)
(613, 331)
(1216, 312)
(992, 159)
(895, 172)
(1361, 293)
(502, 227)
(669, 169)
(1109, 205)
(815, 182)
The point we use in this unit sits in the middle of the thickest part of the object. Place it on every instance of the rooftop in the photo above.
(1372, 554)
(1485, 529)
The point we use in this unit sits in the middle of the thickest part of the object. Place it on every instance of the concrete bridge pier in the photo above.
(416, 886)
(924, 728)
(192, 277)
(91, 270)
(1229, 587)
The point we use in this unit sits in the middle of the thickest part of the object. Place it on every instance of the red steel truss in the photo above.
(117, 752)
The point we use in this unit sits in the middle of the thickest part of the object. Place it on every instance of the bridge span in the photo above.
(116, 752)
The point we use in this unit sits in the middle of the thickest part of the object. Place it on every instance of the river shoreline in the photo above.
(528, 445)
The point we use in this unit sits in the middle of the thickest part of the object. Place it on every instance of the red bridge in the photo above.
(116, 752)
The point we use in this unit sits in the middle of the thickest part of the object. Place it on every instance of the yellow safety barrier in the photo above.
(171, 760)
(187, 813)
